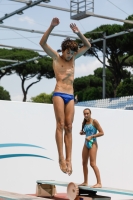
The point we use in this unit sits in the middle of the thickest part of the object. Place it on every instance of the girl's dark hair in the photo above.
(69, 44)
(84, 121)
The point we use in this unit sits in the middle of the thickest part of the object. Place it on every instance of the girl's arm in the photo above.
(99, 128)
(82, 133)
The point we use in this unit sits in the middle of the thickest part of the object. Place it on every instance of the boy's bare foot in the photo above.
(69, 167)
(83, 184)
(63, 165)
(98, 185)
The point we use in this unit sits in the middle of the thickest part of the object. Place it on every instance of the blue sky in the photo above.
(39, 18)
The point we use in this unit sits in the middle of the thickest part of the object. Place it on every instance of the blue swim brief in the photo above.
(64, 96)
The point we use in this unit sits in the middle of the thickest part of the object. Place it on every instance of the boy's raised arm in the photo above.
(43, 42)
(86, 43)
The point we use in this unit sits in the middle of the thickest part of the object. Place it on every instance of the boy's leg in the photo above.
(69, 115)
(59, 114)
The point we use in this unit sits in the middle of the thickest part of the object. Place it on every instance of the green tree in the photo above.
(30, 71)
(116, 47)
(80, 83)
(109, 81)
(125, 88)
(92, 93)
(129, 62)
(4, 95)
(42, 98)
(6, 54)
(90, 87)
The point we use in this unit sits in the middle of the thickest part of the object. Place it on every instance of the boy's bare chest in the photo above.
(64, 67)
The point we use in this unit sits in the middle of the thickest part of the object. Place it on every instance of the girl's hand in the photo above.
(74, 28)
(55, 22)
(88, 138)
(82, 133)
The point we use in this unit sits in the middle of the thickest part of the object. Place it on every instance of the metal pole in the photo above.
(89, 14)
(21, 62)
(46, 6)
(36, 31)
(20, 10)
(109, 18)
(113, 35)
(14, 47)
(5, 60)
(104, 73)
(61, 35)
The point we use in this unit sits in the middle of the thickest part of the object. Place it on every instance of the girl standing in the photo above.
(89, 128)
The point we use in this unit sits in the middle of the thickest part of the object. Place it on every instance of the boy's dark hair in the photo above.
(69, 44)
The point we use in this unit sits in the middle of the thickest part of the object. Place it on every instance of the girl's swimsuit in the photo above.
(89, 129)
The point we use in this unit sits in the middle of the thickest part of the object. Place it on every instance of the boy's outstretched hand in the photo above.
(55, 21)
(74, 28)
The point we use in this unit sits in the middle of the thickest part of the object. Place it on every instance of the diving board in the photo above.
(89, 188)
(109, 190)
(4, 195)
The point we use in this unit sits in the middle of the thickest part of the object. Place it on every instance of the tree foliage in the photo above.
(90, 87)
(29, 71)
(6, 54)
(125, 88)
(128, 62)
(118, 49)
(4, 95)
(42, 98)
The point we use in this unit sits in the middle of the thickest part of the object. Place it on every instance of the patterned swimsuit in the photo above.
(89, 130)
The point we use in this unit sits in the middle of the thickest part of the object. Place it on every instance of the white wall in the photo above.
(31, 123)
